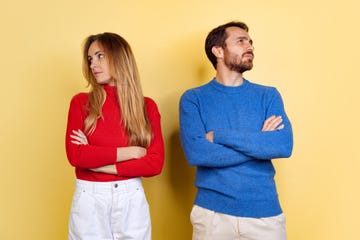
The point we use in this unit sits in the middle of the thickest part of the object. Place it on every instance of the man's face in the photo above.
(238, 50)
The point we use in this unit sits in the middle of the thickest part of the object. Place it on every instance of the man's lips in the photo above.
(248, 54)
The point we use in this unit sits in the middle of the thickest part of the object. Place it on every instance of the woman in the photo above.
(113, 138)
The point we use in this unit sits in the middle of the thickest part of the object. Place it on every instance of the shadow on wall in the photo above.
(184, 71)
(182, 175)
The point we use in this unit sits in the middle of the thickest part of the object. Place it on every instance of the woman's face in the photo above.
(99, 64)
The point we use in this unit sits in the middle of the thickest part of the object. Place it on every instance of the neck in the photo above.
(229, 78)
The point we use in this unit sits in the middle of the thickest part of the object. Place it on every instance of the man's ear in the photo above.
(217, 51)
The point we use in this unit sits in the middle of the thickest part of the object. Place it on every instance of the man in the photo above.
(230, 130)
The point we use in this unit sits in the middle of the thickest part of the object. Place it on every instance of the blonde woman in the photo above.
(113, 139)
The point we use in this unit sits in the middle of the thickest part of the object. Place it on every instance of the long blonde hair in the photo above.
(124, 71)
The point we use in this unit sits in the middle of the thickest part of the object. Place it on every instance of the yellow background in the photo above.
(308, 49)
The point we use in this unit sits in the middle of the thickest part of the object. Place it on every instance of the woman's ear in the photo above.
(217, 51)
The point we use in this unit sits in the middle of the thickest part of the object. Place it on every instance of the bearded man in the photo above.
(231, 129)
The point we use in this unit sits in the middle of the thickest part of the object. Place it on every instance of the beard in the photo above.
(240, 66)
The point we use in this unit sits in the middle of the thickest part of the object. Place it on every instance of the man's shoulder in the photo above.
(197, 93)
(198, 89)
(259, 86)
(269, 92)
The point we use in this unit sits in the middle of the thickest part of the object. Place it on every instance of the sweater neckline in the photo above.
(229, 89)
(110, 90)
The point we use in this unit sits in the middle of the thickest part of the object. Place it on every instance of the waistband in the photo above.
(114, 186)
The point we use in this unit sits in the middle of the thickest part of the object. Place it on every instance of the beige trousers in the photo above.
(210, 225)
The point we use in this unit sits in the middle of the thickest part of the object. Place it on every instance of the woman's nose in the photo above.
(93, 64)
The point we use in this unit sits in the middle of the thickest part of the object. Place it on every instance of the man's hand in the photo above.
(273, 123)
(210, 136)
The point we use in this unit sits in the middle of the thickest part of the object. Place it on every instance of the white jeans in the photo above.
(210, 225)
(109, 211)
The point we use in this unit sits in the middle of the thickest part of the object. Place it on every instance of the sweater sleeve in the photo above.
(198, 150)
(84, 156)
(152, 163)
(258, 144)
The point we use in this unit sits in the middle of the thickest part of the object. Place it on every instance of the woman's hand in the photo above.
(123, 153)
(79, 138)
(131, 152)
(109, 169)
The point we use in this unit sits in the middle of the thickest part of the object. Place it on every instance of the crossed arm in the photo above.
(122, 153)
(208, 144)
(134, 152)
(271, 124)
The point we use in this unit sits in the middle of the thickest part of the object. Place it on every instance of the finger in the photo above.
(275, 123)
(272, 123)
(267, 123)
(76, 142)
(83, 136)
(271, 118)
(77, 138)
(79, 135)
(76, 132)
(280, 127)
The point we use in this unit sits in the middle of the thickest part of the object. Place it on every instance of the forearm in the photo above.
(150, 161)
(264, 137)
(147, 166)
(150, 164)
(201, 152)
(109, 169)
(130, 152)
(88, 156)
(198, 150)
(259, 145)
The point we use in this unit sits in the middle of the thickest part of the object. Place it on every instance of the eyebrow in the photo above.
(242, 37)
(96, 53)
(245, 37)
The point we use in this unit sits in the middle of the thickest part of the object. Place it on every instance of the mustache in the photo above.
(248, 52)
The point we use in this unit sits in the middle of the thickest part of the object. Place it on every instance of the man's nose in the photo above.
(251, 47)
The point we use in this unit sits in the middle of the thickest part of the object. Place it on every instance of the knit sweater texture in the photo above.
(234, 174)
(107, 137)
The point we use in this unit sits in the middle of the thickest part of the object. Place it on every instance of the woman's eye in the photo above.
(101, 55)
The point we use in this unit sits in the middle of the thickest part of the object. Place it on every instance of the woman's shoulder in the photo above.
(150, 105)
(149, 102)
(82, 96)
(79, 99)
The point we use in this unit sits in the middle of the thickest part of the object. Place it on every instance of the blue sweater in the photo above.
(234, 174)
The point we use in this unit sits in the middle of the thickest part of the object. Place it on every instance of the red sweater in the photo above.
(108, 135)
